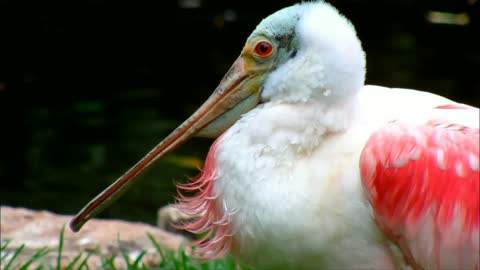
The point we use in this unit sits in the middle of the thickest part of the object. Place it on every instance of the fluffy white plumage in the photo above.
(291, 183)
(298, 182)
(330, 58)
(288, 169)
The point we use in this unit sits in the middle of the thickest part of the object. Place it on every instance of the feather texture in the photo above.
(423, 183)
(214, 221)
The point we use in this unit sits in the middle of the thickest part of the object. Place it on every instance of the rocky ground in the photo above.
(38, 229)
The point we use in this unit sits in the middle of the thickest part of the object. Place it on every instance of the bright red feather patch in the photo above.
(423, 183)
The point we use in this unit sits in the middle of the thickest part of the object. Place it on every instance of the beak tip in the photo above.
(76, 224)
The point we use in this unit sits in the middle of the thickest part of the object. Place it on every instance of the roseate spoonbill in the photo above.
(312, 169)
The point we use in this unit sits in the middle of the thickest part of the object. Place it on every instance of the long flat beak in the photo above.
(237, 92)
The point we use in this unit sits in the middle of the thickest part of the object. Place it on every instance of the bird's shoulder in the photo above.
(422, 179)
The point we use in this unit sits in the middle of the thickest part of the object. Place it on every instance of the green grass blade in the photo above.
(60, 248)
(184, 259)
(232, 263)
(4, 246)
(170, 259)
(157, 246)
(15, 255)
(206, 266)
(125, 257)
(73, 262)
(3, 250)
(138, 261)
(37, 256)
(166, 259)
(40, 267)
(84, 264)
(108, 263)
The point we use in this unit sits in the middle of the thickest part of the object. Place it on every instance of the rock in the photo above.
(169, 216)
(38, 229)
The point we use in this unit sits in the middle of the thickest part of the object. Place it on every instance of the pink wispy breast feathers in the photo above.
(213, 221)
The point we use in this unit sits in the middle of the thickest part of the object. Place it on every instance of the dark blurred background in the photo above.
(88, 87)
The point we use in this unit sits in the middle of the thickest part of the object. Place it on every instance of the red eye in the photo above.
(264, 49)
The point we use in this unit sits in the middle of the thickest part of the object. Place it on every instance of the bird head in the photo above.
(304, 53)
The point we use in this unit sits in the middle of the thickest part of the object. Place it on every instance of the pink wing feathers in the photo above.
(423, 183)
